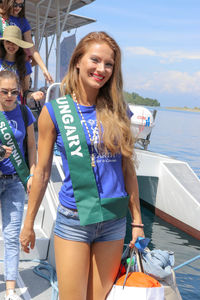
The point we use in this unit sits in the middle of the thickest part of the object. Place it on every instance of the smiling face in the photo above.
(17, 7)
(8, 94)
(10, 47)
(95, 66)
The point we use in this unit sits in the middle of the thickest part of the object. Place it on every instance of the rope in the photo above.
(187, 262)
(51, 276)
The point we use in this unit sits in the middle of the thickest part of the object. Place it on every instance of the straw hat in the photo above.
(13, 34)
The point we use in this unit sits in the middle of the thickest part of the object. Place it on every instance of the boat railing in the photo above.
(53, 92)
(54, 89)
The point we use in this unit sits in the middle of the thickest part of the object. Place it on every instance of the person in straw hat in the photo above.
(13, 58)
(12, 12)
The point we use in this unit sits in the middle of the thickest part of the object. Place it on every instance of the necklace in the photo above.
(92, 139)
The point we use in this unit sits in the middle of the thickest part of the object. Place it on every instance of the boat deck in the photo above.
(29, 285)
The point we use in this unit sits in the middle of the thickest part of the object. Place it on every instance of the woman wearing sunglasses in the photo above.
(13, 13)
(15, 176)
(13, 58)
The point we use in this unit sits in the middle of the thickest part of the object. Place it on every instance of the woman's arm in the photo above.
(28, 94)
(47, 136)
(131, 185)
(31, 145)
(37, 57)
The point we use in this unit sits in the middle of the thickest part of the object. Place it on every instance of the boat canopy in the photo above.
(43, 16)
(51, 18)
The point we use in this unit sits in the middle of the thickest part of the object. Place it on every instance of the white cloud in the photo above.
(140, 51)
(164, 82)
(174, 56)
(166, 56)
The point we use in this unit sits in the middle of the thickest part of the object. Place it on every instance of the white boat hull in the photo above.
(171, 188)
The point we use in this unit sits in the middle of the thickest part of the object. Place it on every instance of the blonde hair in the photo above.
(110, 105)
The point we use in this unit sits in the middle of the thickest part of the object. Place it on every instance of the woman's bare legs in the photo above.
(104, 266)
(72, 266)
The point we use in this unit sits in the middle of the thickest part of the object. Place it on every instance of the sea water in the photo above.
(176, 134)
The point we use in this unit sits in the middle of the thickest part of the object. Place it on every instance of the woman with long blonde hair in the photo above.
(91, 127)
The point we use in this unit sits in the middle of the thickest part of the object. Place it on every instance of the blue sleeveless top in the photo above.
(108, 170)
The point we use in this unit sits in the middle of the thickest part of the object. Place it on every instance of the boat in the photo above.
(167, 185)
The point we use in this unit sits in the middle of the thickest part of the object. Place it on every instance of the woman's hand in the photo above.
(48, 77)
(36, 55)
(27, 238)
(136, 232)
(29, 183)
(37, 96)
(8, 151)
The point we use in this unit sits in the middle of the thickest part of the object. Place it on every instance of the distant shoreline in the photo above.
(184, 109)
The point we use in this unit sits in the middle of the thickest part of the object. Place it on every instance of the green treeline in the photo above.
(136, 99)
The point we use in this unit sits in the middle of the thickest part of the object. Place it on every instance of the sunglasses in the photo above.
(13, 93)
(20, 5)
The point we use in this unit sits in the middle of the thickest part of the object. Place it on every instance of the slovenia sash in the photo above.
(7, 137)
(3, 24)
(91, 208)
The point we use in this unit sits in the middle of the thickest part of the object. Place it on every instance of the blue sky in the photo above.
(160, 42)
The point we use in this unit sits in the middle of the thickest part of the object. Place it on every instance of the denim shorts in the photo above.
(67, 226)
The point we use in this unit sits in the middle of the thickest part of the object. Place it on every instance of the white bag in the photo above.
(130, 293)
(168, 290)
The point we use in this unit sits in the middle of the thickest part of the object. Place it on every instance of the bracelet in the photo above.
(29, 176)
(137, 225)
